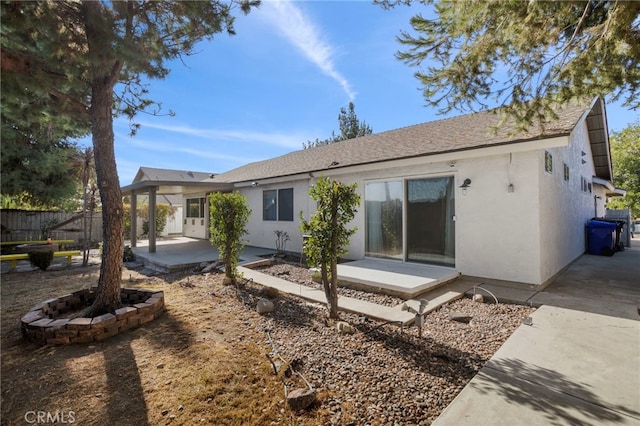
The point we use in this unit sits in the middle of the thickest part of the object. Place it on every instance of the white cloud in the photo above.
(276, 139)
(300, 31)
(157, 146)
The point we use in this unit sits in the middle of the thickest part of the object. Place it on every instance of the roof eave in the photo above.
(169, 187)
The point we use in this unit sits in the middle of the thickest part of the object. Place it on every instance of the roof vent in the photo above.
(333, 164)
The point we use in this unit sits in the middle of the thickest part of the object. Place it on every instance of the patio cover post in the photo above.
(133, 214)
(152, 219)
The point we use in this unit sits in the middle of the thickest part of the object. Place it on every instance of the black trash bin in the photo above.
(600, 237)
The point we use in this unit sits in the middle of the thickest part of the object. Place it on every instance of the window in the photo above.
(566, 172)
(277, 204)
(269, 203)
(548, 162)
(195, 207)
(285, 204)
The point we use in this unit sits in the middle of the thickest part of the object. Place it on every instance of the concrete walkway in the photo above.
(436, 298)
(577, 364)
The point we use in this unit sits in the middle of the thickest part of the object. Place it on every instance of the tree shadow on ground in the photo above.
(125, 398)
(562, 402)
(425, 353)
(100, 382)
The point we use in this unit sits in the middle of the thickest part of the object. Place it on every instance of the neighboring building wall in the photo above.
(565, 206)
(174, 222)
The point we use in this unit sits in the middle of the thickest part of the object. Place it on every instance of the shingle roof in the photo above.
(471, 131)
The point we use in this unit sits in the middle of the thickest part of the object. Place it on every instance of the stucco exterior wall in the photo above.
(497, 227)
(261, 232)
(497, 230)
(565, 207)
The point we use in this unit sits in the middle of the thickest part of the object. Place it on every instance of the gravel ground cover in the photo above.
(292, 271)
(383, 374)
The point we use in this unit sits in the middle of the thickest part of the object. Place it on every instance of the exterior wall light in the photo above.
(466, 184)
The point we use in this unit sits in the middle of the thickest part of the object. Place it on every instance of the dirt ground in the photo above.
(202, 362)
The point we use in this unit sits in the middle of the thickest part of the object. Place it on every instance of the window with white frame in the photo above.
(196, 207)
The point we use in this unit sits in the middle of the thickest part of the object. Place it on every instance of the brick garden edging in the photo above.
(43, 325)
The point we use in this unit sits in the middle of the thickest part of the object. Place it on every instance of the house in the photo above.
(488, 202)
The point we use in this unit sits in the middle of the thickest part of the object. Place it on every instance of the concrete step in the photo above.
(436, 298)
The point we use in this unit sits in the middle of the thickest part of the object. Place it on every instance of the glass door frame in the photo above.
(404, 181)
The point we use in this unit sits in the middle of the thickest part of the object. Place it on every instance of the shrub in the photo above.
(41, 259)
(128, 255)
(229, 214)
(328, 232)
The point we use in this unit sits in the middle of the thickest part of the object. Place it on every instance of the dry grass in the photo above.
(202, 362)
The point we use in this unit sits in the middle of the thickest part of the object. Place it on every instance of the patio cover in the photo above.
(164, 187)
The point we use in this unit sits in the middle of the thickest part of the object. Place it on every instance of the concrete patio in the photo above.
(397, 278)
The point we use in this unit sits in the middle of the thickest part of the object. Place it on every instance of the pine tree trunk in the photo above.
(108, 292)
(104, 75)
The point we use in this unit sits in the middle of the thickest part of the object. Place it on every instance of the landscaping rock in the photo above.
(299, 399)
(478, 298)
(460, 317)
(264, 306)
(345, 327)
(210, 267)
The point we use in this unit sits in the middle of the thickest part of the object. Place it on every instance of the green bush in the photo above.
(128, 255)
(228, 217)
(41, 259)
(163, 211)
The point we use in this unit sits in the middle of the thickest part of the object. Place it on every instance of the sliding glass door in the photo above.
(430, 221)
(411, 220)
(383, 227)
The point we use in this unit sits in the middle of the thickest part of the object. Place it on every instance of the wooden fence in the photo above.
(22, 225)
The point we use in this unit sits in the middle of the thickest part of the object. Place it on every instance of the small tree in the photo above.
(84, 169)
(229, 214)
(337, 206)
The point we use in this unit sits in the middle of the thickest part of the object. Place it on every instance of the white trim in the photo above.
(602, 182)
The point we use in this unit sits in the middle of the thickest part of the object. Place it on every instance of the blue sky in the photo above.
(280, 82)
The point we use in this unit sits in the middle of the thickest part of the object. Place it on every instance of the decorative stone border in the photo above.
(43, 325)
